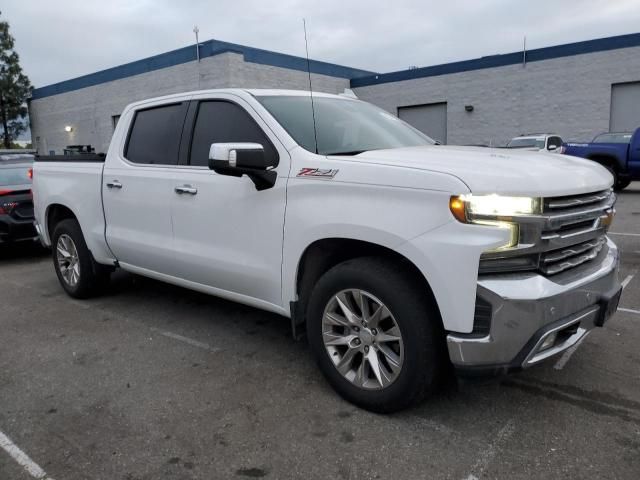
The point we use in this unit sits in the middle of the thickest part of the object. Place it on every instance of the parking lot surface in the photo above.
(153, 381)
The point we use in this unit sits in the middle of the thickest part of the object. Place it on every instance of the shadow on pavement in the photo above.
(21, 251)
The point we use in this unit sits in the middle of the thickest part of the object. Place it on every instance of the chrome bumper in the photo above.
(526, 309)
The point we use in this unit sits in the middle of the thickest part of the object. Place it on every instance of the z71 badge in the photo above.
(321, 173)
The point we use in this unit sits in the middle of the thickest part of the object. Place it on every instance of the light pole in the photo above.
(196, 30)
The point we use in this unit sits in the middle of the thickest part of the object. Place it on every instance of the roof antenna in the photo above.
(313, 110)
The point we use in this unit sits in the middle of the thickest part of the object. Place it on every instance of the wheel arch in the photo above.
(323, 254)
(606, 160)
(54, 214)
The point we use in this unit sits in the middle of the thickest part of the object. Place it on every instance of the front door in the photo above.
(228, 235)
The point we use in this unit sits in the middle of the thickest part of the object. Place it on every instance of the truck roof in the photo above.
(241, 91)
(288, 93)
(537, 135)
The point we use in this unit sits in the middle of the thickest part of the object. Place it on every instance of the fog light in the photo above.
(549, 341)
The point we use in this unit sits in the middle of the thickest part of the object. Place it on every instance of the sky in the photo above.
(62, 39)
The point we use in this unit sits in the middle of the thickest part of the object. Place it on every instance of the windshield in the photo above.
(526, 143)
(14, 176)
(613, 138)
(345, 127)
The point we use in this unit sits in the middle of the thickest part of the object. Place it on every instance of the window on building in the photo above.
(155, 135)
(225, 122)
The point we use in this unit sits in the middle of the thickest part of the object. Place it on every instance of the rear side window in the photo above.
(613, 138)
(154, 137)
(225, 122)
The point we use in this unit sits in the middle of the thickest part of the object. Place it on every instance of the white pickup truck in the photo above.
(400, 258)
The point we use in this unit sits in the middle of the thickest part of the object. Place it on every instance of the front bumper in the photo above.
(14, 230)
(526, 309)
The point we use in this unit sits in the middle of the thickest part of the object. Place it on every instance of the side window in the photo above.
(225, 122)
(155, 134)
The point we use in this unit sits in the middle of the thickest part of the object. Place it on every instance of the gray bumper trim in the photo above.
(528, 308)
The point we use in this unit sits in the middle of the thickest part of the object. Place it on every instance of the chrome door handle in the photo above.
(114, 184)
(186, 189)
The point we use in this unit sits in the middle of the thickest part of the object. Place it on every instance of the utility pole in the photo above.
(196, 30)
(524, 52)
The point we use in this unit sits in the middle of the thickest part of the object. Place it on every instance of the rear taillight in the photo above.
(30, 173)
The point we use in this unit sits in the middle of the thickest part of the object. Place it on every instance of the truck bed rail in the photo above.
(83, 157)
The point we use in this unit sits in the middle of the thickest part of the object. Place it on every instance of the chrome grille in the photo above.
(569, 232)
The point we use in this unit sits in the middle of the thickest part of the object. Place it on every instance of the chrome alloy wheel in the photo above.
(362, 339)
(68, 260)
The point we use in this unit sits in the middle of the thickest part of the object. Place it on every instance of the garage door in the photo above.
(625, 107)
(430, 119)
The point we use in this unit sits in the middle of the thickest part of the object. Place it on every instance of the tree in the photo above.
(15, 88)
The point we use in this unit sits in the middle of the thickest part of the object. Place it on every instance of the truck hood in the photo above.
(502, 171)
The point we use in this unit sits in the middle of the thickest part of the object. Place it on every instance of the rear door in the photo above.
(228, 235)
(138, 187)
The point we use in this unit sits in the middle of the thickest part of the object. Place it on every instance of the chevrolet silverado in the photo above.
(399, 258)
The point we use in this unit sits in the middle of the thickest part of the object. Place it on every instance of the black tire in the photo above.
(416, 316)
(93, 277)
(622, 184)
(618, 184)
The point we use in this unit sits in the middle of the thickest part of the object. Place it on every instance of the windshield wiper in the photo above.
(352, 152)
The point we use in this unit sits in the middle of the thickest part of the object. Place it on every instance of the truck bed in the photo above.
(75, 182)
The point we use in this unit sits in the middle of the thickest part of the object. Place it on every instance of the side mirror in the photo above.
(552, 148)
(238, 159)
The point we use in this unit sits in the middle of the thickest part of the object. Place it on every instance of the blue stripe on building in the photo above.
(209, 48)
(536, 55)
(359, 78)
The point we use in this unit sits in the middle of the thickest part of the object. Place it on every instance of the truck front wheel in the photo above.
(375, 335)
(79, 274)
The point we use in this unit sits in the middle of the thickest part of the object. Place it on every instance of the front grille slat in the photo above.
(575, 201)
(556, 256)
(559, 261)
(571, 262)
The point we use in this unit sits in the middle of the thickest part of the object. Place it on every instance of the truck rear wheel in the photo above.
(79, 274)
(375, 335)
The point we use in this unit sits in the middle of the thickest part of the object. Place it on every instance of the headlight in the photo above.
(494, 210)
(468, 208)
